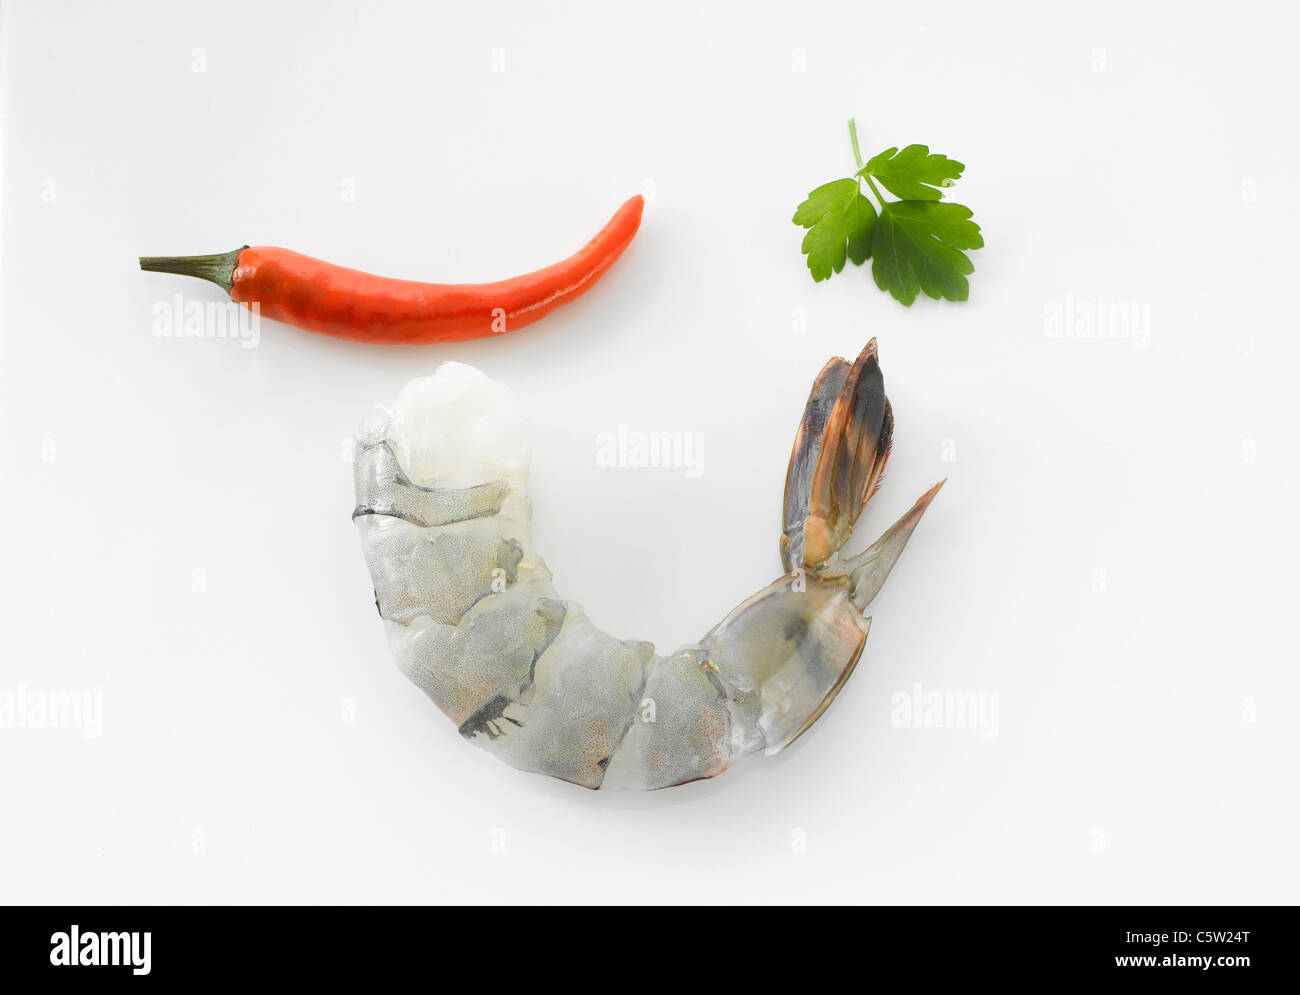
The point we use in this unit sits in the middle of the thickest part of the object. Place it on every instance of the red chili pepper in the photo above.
(347, 303)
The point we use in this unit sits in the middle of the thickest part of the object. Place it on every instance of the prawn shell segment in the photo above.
(384, 489)
(681, 730)
(438, 574)
(489, 655)
(794, 644)
(571, 717)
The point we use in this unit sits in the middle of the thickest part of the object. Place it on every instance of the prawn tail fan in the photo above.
(838, 460)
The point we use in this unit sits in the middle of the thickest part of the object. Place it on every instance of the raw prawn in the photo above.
(475, 622)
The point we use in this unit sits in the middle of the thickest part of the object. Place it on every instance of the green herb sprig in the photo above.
(914, 243)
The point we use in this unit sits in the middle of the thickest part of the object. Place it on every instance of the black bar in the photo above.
(578, 948)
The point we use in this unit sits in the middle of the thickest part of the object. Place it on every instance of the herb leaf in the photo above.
(913, 174)
(917, 246)
(840, 222)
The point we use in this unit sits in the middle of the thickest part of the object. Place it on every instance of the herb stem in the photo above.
(857, 154)
(867, 177)
(853, 137)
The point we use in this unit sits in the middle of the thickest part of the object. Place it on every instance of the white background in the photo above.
(1113, 557)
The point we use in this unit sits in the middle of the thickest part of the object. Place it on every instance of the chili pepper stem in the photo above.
(218, 268)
